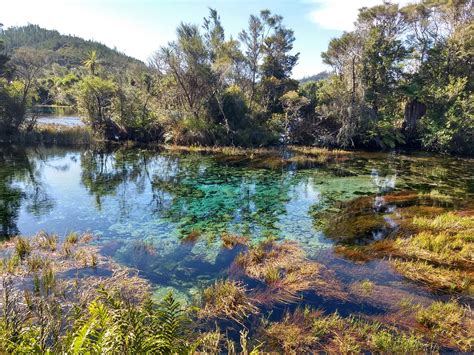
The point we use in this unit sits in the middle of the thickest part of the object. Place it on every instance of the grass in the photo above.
(282, 267)
(272, 156)
(55, 134)
(36, 263)
(445, 222)
(365, 286)
(22, 247)
(387, 342)
(450, 321)
(47, 241)
(226, 299)
(309, 331)
(438, 251)
(437, 277)
(43, 312)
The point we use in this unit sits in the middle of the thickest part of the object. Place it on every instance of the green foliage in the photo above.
(112, 325)
(401, 78)
(94, 101)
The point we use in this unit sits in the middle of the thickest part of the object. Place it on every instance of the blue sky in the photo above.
(139, 27)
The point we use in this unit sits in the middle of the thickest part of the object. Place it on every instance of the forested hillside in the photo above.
(65, 50)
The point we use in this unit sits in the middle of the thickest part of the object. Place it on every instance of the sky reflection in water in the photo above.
(143, 204)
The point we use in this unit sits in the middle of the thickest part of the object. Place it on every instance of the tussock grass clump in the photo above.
(36, 262)
(293, 334)
(226, 299)
(364, 286)
(10, 264)
(47, 241)
(387, 342)
(450, 321)
(22, 247)
(438, 277)
(72, 238)
(285, 271)
(309, 331)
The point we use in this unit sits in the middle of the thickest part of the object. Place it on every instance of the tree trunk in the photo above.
(414, 110)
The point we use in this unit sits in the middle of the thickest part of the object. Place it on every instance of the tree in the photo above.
(342, 96)
(187, 61)
(259, 29)
(94, 102)
(91, 62)
(292, 104)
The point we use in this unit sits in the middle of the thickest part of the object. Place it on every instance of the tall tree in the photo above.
(91, 62)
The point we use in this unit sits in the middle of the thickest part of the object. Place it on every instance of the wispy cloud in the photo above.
(340, 15)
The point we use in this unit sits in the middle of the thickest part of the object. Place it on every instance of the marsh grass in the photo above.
(438, 251)
(365, 286)
(226, 299)
(22, 247)
(36, 262)
(450, 321)
(285, 271)
(47, 241)
(274, 157)
(56, 134)
(307, 331)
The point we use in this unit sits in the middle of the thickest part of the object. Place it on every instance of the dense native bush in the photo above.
(401, 79)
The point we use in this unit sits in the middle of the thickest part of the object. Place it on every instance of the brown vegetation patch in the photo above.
(230, 241)
(226, 299)
(285, 271)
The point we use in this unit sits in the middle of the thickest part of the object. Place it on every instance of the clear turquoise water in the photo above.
(134, 197)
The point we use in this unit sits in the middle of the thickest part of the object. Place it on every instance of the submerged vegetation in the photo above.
(45, 310)
(425, 245)
(242, 217)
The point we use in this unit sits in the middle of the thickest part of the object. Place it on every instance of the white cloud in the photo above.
(341, 14)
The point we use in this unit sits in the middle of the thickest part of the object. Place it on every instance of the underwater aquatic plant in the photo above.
(230, 241)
